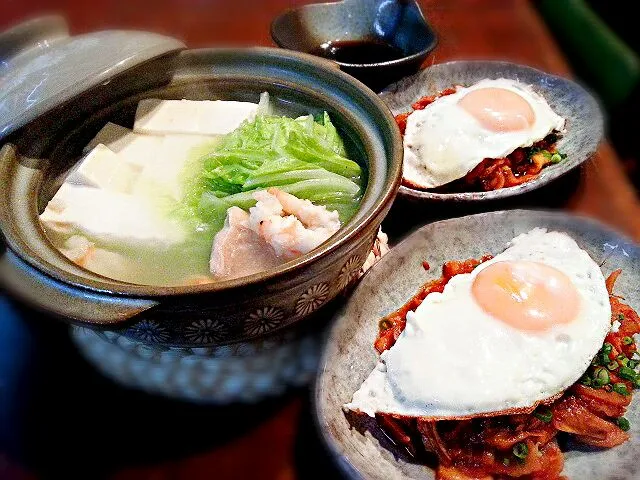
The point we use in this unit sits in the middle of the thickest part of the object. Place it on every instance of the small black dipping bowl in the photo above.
(327, 28)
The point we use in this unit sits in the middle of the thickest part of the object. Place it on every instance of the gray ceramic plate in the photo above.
(585, 125)
(349, 355)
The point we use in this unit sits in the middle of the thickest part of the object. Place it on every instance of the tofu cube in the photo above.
(206, 117)
(110, 219)
(101, 168)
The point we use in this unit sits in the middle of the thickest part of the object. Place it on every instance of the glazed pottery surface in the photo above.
(360, 449)
(584, 120)
(38, 157)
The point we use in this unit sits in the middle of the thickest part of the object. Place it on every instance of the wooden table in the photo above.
(504, 29)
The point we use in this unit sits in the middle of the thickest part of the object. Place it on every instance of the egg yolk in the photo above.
(526, 295)
(498, 109)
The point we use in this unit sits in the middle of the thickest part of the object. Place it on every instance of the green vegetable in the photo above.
(627, 373)
(607, 347)
(620, 317)
(556, 158)
(506, 462)
(620, 388)
(301, 156)
(623, 423)
(627, 340)
(622, 359)
(600, 377)
(612, 365)
(586, 381)
(544, 414)
(636, 382)
(632, 363)
(520, 450)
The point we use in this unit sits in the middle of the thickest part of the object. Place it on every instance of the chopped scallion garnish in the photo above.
(620, 388)
(627, 373)
(521, 450)
(627, 340)
(623, 423)
(544, 414)
(600, 377)
(622, 359)
(612, 365)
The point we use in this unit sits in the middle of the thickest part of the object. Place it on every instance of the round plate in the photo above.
(349, 356)
(584, 121)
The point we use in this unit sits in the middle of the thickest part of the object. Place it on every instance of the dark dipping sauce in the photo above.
(358, 51)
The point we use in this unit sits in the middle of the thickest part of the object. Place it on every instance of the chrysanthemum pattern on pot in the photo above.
(263, 320)
(312, 299)
(349, 272)
(149, 331)
(204, 325)
(206, 331)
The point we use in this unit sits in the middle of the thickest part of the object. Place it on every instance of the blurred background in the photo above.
(60, 419)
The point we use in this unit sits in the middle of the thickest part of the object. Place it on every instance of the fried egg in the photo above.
(516, 331)
(455, 133)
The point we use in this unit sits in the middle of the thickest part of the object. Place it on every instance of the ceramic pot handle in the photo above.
(32, 35)
(72, 303)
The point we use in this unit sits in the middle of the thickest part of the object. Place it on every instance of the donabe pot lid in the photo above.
(41, 66)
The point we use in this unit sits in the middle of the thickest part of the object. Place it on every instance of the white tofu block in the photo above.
(139, 150)
(165, 174)
(110, 219)
(112, 135)
(101, 168)
(206, 117)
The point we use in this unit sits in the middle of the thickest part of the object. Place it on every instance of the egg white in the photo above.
(453, 360)
(443, 142)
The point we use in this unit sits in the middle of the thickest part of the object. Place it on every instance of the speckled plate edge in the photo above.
(348, 354)
(585, 122)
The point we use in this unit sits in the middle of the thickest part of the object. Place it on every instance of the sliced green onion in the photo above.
(622, 360)
(600, 377)
(627, 373)
(607, 347)
(620, 388)
(556, 158)
(627, 340)
(612, 365)
(605, 358)
(632, 363)
(521, 450)
(620, 317)
(544, 414)
(586, 381)
(636, 382)
(623, 423)
(506, 462)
